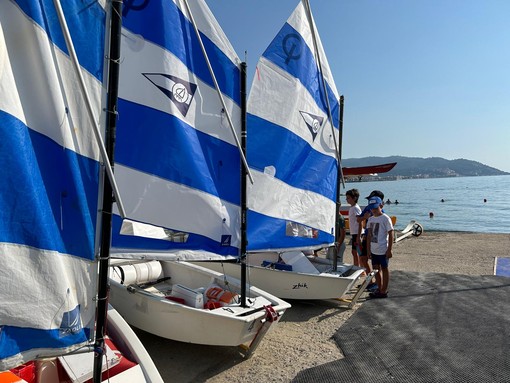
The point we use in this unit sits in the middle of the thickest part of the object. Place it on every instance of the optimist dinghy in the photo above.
(53, 327)
(293, 152)
(178, 169)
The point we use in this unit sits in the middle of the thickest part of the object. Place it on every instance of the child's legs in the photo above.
(363, 257)
(354, 250)
(363, 260)
(380, 262)
(378, 278)
(355, 258)
(385, 279)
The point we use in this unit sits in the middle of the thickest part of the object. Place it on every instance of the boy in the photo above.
(352, 197)
(379, 245)
(362, 238)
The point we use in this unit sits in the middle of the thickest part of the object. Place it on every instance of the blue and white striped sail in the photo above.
(50, 178)
(291, 147)
(176, 162)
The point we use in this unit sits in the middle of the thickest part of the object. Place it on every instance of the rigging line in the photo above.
(230, 123)
(88, 104)
(308, 10)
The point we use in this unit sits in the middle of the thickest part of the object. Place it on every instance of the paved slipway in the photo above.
(305, 337)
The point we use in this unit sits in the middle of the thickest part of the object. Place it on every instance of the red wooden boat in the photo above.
(370, 169)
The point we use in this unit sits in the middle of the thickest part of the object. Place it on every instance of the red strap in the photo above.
(271, 314)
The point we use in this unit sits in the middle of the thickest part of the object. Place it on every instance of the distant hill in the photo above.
(433, 167)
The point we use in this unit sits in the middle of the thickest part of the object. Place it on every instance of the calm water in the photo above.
(463, 208)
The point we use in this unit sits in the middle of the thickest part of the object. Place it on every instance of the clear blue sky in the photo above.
(421, 78)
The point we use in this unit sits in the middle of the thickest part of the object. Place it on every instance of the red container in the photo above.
(25, 371)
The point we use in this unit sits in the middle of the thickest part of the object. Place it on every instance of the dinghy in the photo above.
(177, 163)
(293, 153)
(54, 324)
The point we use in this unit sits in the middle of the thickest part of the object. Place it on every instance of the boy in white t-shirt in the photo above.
(352, 196)
(379, 245)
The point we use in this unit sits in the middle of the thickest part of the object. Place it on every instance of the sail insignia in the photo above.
(178, 90)
(71, 322)
(313, 123)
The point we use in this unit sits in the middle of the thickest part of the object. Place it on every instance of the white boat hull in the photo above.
(293, 284)
(131, 347)
(231, 325)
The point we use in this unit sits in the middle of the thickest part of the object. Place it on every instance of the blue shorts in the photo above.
(380, 260)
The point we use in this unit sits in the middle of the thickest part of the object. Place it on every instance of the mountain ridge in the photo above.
(430, 167)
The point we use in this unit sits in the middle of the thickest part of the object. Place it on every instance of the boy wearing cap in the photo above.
(379, 245)
(362, 218)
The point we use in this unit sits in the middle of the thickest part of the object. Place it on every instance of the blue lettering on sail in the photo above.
(178, 90)
(71, 322)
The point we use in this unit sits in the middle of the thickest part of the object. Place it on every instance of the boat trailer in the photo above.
(413, 228)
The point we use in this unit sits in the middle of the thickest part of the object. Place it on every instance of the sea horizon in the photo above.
(457, 204)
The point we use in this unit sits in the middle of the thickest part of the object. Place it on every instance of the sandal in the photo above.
(378, 294)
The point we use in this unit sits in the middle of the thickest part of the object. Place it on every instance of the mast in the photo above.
(341, 136)
(244, 174)
(340, 178)
(106, 219)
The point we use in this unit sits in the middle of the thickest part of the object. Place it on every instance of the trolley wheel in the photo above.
(417, 229)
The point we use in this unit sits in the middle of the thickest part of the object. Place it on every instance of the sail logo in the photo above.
(313, 122)
(180, 91)
(71, 323)
(134, 5)
(226, 240)
(292, 47)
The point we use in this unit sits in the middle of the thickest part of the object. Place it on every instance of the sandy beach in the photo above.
(303, 337)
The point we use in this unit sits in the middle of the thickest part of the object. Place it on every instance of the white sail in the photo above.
(176, 159)
(179, 171)
(50, 179)
(293, 158)
(292, 147)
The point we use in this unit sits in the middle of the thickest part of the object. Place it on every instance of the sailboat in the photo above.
(178, 167)
(293, 152)
(50, 196)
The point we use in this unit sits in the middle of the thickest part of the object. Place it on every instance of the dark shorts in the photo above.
(364, 252)
(354, 237)
(380, 260)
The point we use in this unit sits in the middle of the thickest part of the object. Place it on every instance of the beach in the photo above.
(303, 337)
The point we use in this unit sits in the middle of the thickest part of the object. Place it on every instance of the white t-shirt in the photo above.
(353, 222)
(379, 226)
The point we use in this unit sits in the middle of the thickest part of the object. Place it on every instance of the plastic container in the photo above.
(25, 371)
(191, 297)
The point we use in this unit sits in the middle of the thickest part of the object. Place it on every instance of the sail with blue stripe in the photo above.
(50, 178)
(292, 148)
(176, 160)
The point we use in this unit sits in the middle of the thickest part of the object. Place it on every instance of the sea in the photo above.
(470, 204)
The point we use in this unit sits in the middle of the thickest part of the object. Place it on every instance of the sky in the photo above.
(421, 78)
